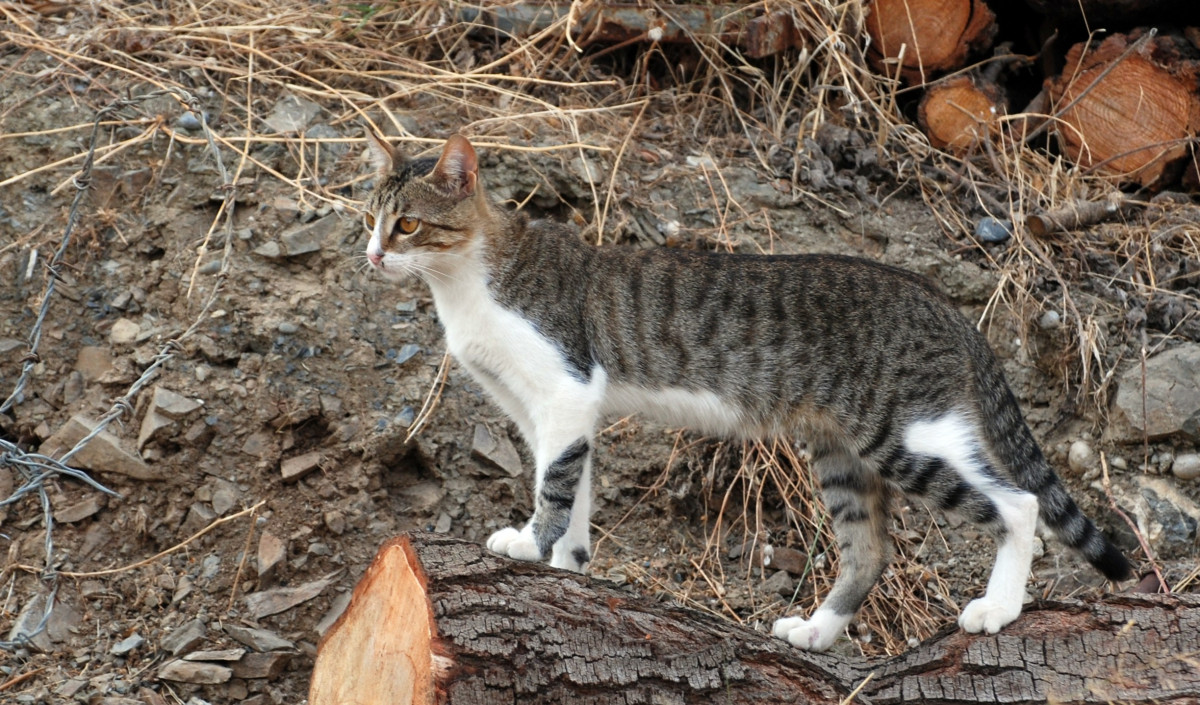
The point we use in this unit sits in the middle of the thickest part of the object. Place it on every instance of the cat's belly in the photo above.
(703, 411)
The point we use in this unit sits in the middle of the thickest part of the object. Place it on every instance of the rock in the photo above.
(95, 364)
(990, 229)
(80, 510)
(1080, 458)
(783, 558)
(103, 453)
(195, 672)
(184, 638)
(335, 521)
(423, 496)
(73, 387)
(498, 451)
(270, 250)
(407, 352)
(1186, 466)
(271, 553)
(336, 608)
(1172, 397)
(173, 405)
(302, 239)
(258, 639)
(1050, 320)
(268, 602)
(26, 624)
(257, 444)
(443, 523)
(166, 407)
(123, 331)
(216, 655)
(292, 114)
(268, 665)
(127, 644)
(287, 327)
(1168, 518)
(300, 465)
(780, 583)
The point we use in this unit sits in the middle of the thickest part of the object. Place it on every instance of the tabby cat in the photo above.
(871, 365)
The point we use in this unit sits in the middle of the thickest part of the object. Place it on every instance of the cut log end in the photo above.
(927, 36)
(1128, 115)
(380, 651)
(958, 113)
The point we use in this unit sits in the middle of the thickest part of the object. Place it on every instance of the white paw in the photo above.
(987, 615)
(569, 559)
(816, 634)
(514, 544)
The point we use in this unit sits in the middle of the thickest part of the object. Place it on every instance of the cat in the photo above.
(869, 364)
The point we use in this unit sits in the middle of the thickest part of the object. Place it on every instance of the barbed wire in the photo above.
(36, 468)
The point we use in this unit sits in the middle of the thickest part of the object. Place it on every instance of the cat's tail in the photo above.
(1014, 445)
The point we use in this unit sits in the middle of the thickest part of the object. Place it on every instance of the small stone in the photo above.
(287, 327)
(26, 624)
(993, 229)
(1186, 466)
(498, 451)
(189, 121)
(299, 466)
(210, 566)
(336, 608)
(80, 510)
(94, 363)
(73, 387)
(305, 238)
(173, 405)
(224, 498)
(270, 250)
(784, 558)
(103, 453)
(335, 521)
(257, 444)
(443, 523)
(1050, 320)
(780, 583)
(1081, 458)
(258, 639)
(127, 644)
(216, 655)
(292, 114)
(406, 353)
(271, 552)
(195, 672)
(268, 602)
(423, 496)
(182, 590)
(266, 665)
(123, 331)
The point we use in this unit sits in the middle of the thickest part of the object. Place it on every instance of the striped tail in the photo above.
(1015, 447)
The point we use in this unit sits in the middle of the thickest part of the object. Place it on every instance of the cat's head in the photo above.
(424, 212)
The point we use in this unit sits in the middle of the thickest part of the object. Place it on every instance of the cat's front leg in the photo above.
(559, 524)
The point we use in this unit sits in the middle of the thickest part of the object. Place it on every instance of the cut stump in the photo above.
(1129, 115)
(485, 629)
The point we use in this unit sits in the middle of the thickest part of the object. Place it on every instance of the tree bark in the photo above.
(935, 35)
(503, 631)
(1127, 113)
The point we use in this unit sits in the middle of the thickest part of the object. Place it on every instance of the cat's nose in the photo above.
(374, 258)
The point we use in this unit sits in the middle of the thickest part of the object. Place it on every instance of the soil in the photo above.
(310, 353)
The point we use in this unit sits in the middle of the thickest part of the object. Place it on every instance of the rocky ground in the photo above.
(278, 446)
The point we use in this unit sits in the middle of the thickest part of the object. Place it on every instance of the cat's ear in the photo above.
(384, 156)
(457, 171)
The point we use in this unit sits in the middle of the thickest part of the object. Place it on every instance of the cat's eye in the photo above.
(407, 225)
(369, 219)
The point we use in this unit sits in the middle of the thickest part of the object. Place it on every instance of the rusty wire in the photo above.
(37, 468)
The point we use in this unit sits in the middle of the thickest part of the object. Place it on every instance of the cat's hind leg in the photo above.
(966, 482)
(856, 499)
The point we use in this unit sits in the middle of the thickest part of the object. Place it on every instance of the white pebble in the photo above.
(1080, 458)
(1186, 466)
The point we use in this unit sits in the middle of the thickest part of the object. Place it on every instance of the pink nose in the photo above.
(375, 259)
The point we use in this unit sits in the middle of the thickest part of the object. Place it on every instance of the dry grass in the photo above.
(540, 98)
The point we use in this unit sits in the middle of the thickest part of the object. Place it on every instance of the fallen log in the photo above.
(1129, 111)
(927, 37)
(500, 631)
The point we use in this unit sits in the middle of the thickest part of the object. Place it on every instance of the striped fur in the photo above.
(889, 385)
